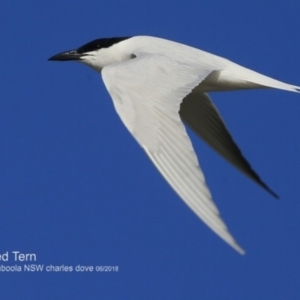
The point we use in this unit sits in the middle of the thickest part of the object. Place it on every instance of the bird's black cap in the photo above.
(89, 47)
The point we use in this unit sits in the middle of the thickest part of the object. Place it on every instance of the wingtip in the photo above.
(242, 252)
(239, 249)
(275, 195)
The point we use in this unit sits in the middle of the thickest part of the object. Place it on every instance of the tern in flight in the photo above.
(158, 85)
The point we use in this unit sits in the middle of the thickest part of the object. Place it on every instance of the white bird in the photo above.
(155, 84)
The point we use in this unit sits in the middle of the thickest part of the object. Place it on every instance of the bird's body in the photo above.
(155, 84)
(227, 75)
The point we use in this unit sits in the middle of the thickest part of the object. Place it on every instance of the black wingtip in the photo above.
(254, 176)
(270, 191)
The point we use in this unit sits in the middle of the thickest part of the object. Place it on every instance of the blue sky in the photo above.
(75, 188)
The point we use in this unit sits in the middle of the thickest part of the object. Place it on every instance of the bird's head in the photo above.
(97, 54)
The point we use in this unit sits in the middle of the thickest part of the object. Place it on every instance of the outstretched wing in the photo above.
(147, 92)
(198, 111)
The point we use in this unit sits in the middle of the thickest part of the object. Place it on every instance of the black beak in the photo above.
(68, 55)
